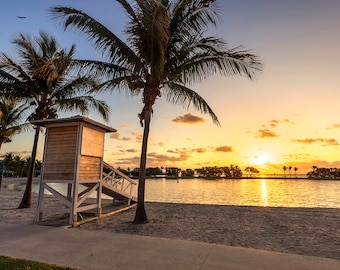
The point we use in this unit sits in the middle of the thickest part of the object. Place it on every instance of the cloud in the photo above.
(317, 140)
(117, 135)
(183, 156)
(199, 150)
(138, 136)
(125, 126)
(188, 119)
(224, 149)
(129, 151)
(334, 126)
(186, 150)
(266, 133)
(275, 123)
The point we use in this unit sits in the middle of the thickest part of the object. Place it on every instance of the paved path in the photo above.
(89, 250)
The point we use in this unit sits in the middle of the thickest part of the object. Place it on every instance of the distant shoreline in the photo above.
(242, 178)
(8, 181)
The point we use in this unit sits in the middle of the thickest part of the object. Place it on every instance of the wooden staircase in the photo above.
(117, 185)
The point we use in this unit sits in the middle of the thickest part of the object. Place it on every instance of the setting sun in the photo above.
(260, 160)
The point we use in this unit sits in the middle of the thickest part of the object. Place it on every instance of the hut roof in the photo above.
(73, 119)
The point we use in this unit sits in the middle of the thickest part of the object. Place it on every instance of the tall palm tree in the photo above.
(11, 114)
(290, 171)
(284, 170)
(295, 169)
(43, 78)
(165, 51)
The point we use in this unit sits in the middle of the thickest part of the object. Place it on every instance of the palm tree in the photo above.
(10, 119)
(284, 170)
(43, 79)
(290, 171)
(166, 49)
(295, 169)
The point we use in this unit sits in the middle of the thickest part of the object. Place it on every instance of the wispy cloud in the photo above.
(189, 119)
(224, 149)
(125, 126)
(334, 126)
(274, 123)
(129, 151)
(117, 136)
(266, 133)
(199, 150)
(138, 136)
(317, 140)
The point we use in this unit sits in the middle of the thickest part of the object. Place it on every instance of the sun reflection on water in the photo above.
(264, 194)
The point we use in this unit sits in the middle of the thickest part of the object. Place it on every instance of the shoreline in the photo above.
(305, 231)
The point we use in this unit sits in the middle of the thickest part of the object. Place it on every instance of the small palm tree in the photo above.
(290, 171)
(295, 169)
(43, 78)
(284, 170)
(166, 50)
(11, 114)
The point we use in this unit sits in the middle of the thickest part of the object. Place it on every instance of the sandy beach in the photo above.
(306, 231)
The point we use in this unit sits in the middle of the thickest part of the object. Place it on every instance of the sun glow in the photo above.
(261, 159)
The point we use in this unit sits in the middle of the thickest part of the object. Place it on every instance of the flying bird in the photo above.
(21, 17)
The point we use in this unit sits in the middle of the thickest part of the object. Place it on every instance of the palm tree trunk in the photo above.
(26, 201)
(140, 216)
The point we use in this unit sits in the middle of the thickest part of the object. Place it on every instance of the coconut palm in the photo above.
(290, 171)
(295, 169)
(43, 78)
(284, 170)
(165, 51)
(11, 114)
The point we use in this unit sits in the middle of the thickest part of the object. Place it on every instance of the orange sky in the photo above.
(289, 116)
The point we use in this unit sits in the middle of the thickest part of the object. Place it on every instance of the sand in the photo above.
(306, 231)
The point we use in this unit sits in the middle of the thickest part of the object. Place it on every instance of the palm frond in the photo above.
(103, 39)
(180, 94)
(84, 104)
(12, 69)
(104, 70)
(129, 10)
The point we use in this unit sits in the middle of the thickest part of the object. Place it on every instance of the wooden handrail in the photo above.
(106, 165)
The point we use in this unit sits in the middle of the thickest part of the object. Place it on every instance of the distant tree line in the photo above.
(213, 172)
(324, 173)
(17, 166)
(289, 168)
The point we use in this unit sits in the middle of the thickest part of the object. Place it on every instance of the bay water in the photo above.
(245, 192)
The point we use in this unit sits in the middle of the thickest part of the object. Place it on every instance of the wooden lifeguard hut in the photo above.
(74, 172)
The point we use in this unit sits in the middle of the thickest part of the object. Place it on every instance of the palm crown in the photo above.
(165, 50)
(43, 79)
(11, 114)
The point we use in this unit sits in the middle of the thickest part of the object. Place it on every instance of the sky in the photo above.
(287, 116)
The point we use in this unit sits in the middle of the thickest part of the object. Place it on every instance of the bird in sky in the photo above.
(21, 17)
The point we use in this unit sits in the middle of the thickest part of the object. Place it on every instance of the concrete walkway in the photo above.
(102, 250)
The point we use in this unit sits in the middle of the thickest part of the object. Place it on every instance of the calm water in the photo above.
(250, 192)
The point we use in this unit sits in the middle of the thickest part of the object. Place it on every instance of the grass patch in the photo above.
(9, 263)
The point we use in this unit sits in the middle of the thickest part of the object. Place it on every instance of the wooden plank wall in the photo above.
(60, 153)
(92, 142)
(90, 169)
